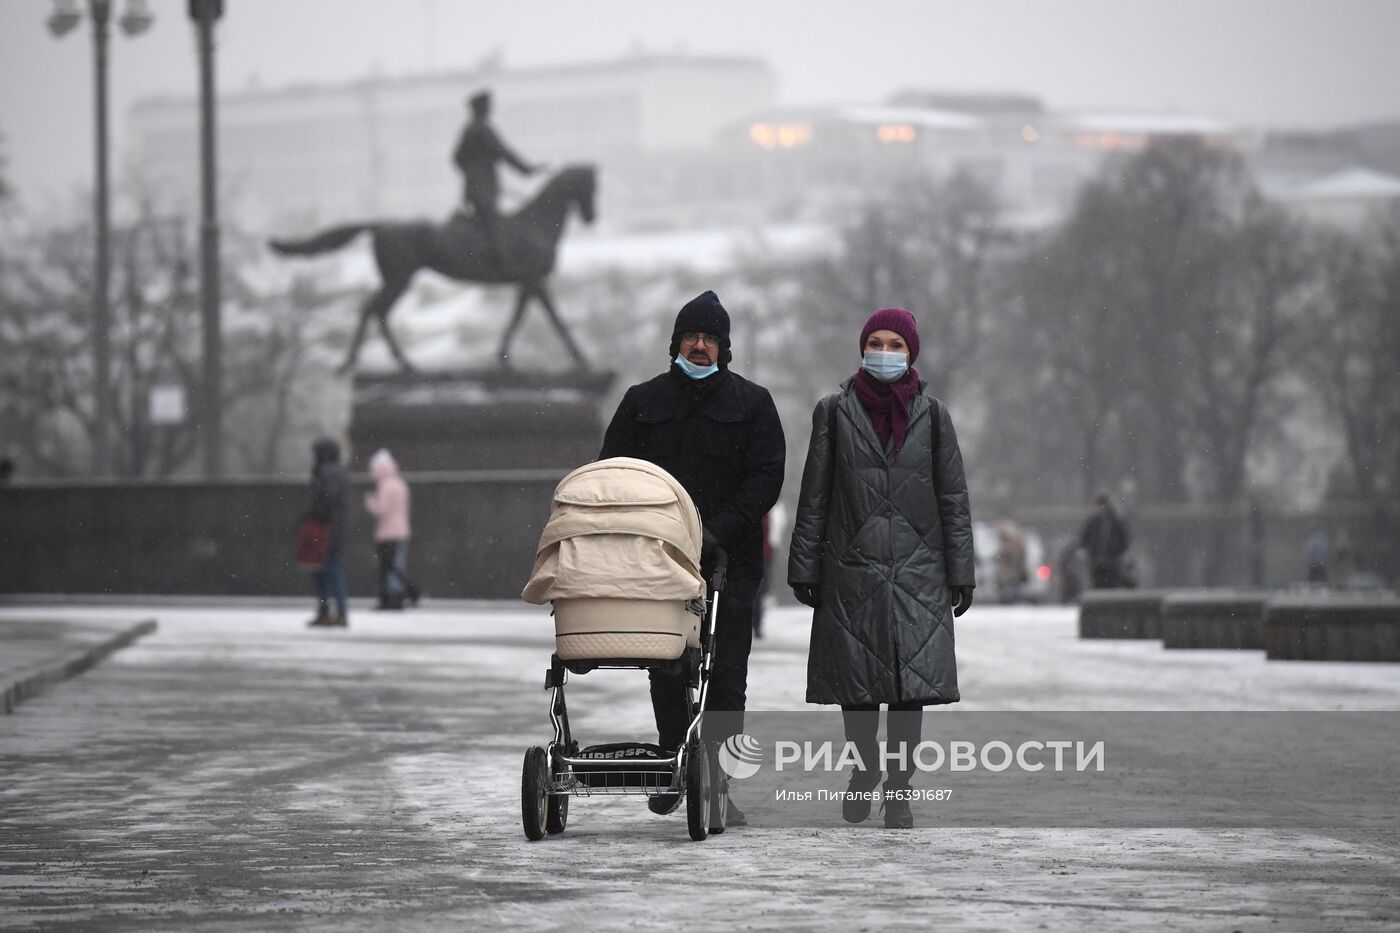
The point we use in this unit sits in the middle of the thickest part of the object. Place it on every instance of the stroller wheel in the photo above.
(697, 791)
(719, 796)
(557, 811)
(558, 817)
(534, 793)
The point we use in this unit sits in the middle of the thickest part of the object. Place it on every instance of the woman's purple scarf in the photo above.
(888, 404)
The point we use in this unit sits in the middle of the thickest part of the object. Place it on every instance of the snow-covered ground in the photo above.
(236, 768)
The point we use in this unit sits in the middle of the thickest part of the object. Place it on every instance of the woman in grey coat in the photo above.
(882, 550)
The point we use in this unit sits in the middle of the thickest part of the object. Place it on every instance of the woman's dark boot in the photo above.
(905, 726)
(855, 807)
(861, 724)
(322, 613)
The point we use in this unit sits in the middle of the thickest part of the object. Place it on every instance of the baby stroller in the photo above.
(619, 559)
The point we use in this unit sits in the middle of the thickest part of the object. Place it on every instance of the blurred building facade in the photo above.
(1034, 158)
(381, 147)
(1344, 178)
(688, 141)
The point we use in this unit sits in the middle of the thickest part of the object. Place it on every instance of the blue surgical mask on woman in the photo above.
(693, 371)
(885, 366)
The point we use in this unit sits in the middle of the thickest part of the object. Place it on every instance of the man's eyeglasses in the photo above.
(709, 340)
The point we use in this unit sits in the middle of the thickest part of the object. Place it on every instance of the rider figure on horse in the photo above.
(478, 150)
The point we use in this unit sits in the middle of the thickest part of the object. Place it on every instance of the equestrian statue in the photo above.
(483, 246)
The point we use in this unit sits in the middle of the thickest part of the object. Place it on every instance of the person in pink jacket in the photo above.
(389, 504)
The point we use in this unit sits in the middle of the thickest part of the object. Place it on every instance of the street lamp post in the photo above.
(204, 13)
(137, 19)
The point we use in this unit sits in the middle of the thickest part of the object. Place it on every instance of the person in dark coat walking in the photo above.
(479, 149)
(719, 435)
(882, 550)
(330, 505)
(1105, 540)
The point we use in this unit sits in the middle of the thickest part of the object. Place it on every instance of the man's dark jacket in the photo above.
(1105, 537)
(330, 492)
(720, 437)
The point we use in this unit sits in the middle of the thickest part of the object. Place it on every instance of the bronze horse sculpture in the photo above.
(460, 250)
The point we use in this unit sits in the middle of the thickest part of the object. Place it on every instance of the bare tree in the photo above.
(1355, 361)
(1242, 351)
(1059, 386)
(1149, 337)
(6, 193)
(928, 249)
(1162, 310)
(46, 356)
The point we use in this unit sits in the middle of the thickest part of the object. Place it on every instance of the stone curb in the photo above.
(34, 682)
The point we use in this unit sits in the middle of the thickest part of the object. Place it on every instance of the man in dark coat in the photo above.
(330, 505)
(1105, 539)
(478, 150)
(719, 435)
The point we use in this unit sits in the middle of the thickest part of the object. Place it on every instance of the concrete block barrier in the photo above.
(1121, 614)
(1332, 629)
(1214, 620)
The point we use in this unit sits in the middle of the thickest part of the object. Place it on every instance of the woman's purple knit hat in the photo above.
(897, 320)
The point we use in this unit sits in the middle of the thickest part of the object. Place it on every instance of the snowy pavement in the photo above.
(235, 769)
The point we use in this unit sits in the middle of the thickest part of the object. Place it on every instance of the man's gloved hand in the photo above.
(708, 542)
(962, 599)
(808, 594)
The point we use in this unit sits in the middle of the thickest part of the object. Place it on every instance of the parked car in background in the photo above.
(1036, 584)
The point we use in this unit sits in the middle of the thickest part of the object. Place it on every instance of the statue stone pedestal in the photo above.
(489, 419)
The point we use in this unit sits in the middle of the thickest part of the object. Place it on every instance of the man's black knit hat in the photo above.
(703, 314)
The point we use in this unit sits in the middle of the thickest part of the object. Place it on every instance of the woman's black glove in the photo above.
(962, 599)
(808, 594)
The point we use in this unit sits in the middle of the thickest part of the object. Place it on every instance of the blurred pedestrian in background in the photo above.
(1010, 563)
(882, 550)
(389, 504)
(1344, 560)
(7, 471)
(1316, 556)
(330, 506)
(1069, 568)
(1105, 540)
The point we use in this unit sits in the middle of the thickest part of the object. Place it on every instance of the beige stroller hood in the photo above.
(618, 529)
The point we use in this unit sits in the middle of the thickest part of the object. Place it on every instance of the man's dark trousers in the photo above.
(1106, 577)
(729, 672)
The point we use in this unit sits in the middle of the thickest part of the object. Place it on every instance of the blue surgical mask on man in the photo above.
(885, 366)
(693, 371)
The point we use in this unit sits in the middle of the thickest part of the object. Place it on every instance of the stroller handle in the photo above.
(721, 568)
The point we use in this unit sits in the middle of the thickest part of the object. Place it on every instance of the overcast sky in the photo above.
(1257, 62)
